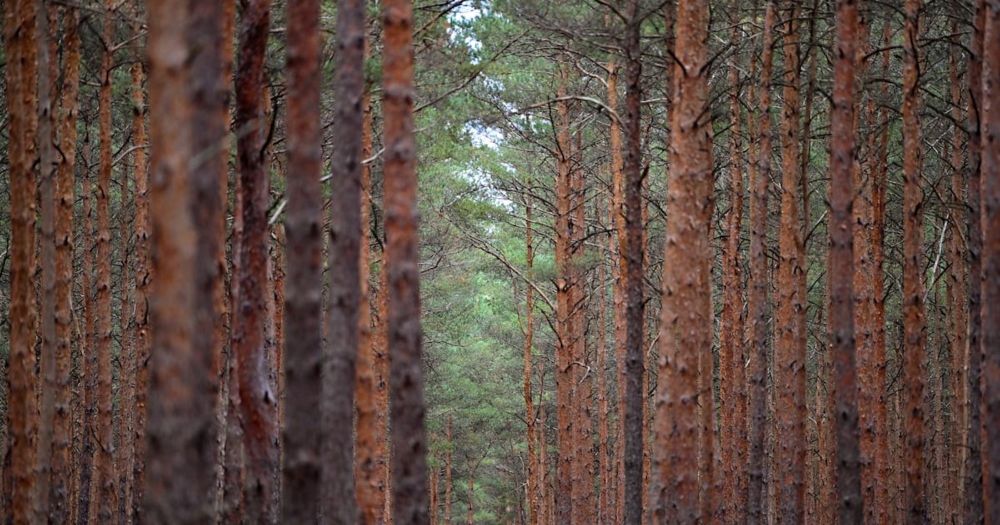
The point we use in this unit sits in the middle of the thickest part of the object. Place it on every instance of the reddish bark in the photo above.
(634, 317)
(257, 399)
(758, 283)
(840, 260)
(990, 165)
(102, 488)
(409, 441)
(913, 286)
(303, 346)
(973, 472)
(686, 323)
(60, 494)
(790, 319)
(179, 479)
(529, 334)
(605, 465)
(20, 70)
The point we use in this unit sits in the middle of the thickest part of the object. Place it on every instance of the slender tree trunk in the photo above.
(604, 507)
(619, 273)
(991, 261)
(19, 499)
(409, 441)
(102, 486)
(731, 356)
(338, 403)
(686, 322)
(529, 334)
(60, 492)
(634, 389)
(470, 513)
(790, 321)
(841, 322)
(89, 362)
(564, 316)
(758, 285)
(181, 386)
(913, 293)
(303, 350)
(370, 458)
(50, 348)
(973, 473)
(381, 342)
(258, 401)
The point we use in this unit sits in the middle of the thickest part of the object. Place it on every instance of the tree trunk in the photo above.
(991, 261)
(409, 441)
(447, 473)
(181, 391)
(913, 286)
(973, 472)
(303, 346)
(529, 334)
(731, 355)
(564, 314)
(51, 349)
(840, 257)
(686, 322)
(103, 486)
(634, 390)
(20, 69)
(60, 493)
(605, 471)
(258, 401)
(758, 285)
(790, 321)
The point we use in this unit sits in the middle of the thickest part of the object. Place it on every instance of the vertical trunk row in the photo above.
(529, 334)
(758, 285)
(634, 317)
(257, 399)
(913, 284)
(790, 321)
(19, 463)
(564, 315)
(958, 319)
(732, 374)
(686, 322)
(604, 463)
(972, 468)
(62, 459)
(46, 68)
(840, 257)
(179, 443)
(370, 460)
(409, 441)
(991, 261)
(303, 351)
(345, 234)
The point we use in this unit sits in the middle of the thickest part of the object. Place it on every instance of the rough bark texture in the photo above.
(409, 440)
(529, 335)
(303, 314)
(990, 163)
(257, 398)
(686, 322)
(179, 475)
(732, 376)
(604, 463)
(370, 460)
(972, 468)
(345, 237)
(564, 315)
(47, 164)
(840, 260)
(634, 317)
(790, 320)
(914, 338)
(758, 284)
(62, 457)
(19, 463)
(103, 495)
